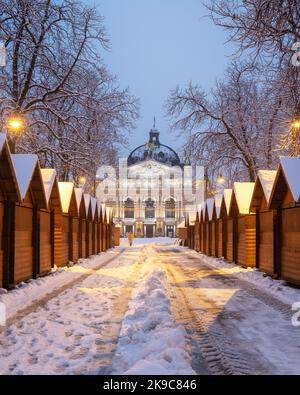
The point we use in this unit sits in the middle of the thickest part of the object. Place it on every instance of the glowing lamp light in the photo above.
(15, 123)
(296, 124)
(82, 180)
(221, 180)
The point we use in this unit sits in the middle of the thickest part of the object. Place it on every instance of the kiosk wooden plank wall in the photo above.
(9, 195)
(265, 221)
(94, 224)
(228, 225)
(244, 225)
(210, 227)
(197, 233)
(25, 259)
(46, 221)
(218, 226)
(89, 224)
(284, 199)
(64, 232)
(80, 225)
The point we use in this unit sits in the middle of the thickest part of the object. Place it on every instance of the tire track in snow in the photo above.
(208, 342)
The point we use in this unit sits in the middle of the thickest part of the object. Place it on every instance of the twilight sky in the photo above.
(157, 44)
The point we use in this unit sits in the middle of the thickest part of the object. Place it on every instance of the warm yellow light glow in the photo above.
(296, 124)
(221, 180)
(15, 123)
(82, 180)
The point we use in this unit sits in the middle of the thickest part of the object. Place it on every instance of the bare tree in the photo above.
(265, 27)
(235, 128)
(75, 113)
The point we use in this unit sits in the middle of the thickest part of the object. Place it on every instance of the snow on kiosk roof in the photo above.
(94, 207)
(210, 208)
(28, 175)
(87, 204)
(66, 192)
(218, 203)
(242, 195)
(263, 188)
(9, 183)
(287, 180)
(227, 199)
(48, 176)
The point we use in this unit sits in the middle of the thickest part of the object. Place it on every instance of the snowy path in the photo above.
(153, 308)
(233, 326)
(75, 330)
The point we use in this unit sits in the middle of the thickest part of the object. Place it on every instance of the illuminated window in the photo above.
(170, 208)
(149, 208)
(129, 208)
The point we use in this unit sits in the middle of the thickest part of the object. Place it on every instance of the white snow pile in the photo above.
(31, 291)
(278, 288)
(150, 341)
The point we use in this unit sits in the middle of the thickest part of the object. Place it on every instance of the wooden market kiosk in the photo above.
(285, 199)
(9, 195)
(208, 221)
(66, 227)
(81, 222)
(47, 221)
(218, 226)
(89, 224)
(266, 221)
(24, 260)
(244, 224)
(94, 225)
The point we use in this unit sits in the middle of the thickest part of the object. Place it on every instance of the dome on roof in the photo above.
(154, 150)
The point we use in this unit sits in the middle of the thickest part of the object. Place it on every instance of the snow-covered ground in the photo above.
(279, 288)
(151, 342)
(153, 308)
(70, 321)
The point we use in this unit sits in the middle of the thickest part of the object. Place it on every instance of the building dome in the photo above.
(154, 150)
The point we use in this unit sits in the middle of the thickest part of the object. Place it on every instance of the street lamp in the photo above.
(296, 124)
(15, 123)
(221, 180)
(82, 181)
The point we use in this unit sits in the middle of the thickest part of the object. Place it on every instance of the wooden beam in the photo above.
(277, 244)
(52, 230)
(35, 242)
(257, 236)
(70, 241)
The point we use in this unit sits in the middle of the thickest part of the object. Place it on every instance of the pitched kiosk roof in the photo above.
(2, 140)
(227, 199)
(87, 200)
(65, 191)
(218, 202)
(94, 206)
(291, 169)
(210, 208)
(24, 165)
(243, 192)
(48, 177)
(78, 196)
(267, 178)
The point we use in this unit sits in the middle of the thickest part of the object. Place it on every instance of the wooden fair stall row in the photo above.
(44, 222)
(256, 224)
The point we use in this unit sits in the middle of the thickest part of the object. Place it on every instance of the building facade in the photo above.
(153, 191)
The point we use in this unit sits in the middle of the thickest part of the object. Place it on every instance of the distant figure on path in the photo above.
(130, 238)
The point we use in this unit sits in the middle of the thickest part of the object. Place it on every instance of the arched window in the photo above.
(170, 208)
(129, 208)
(149, 208)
